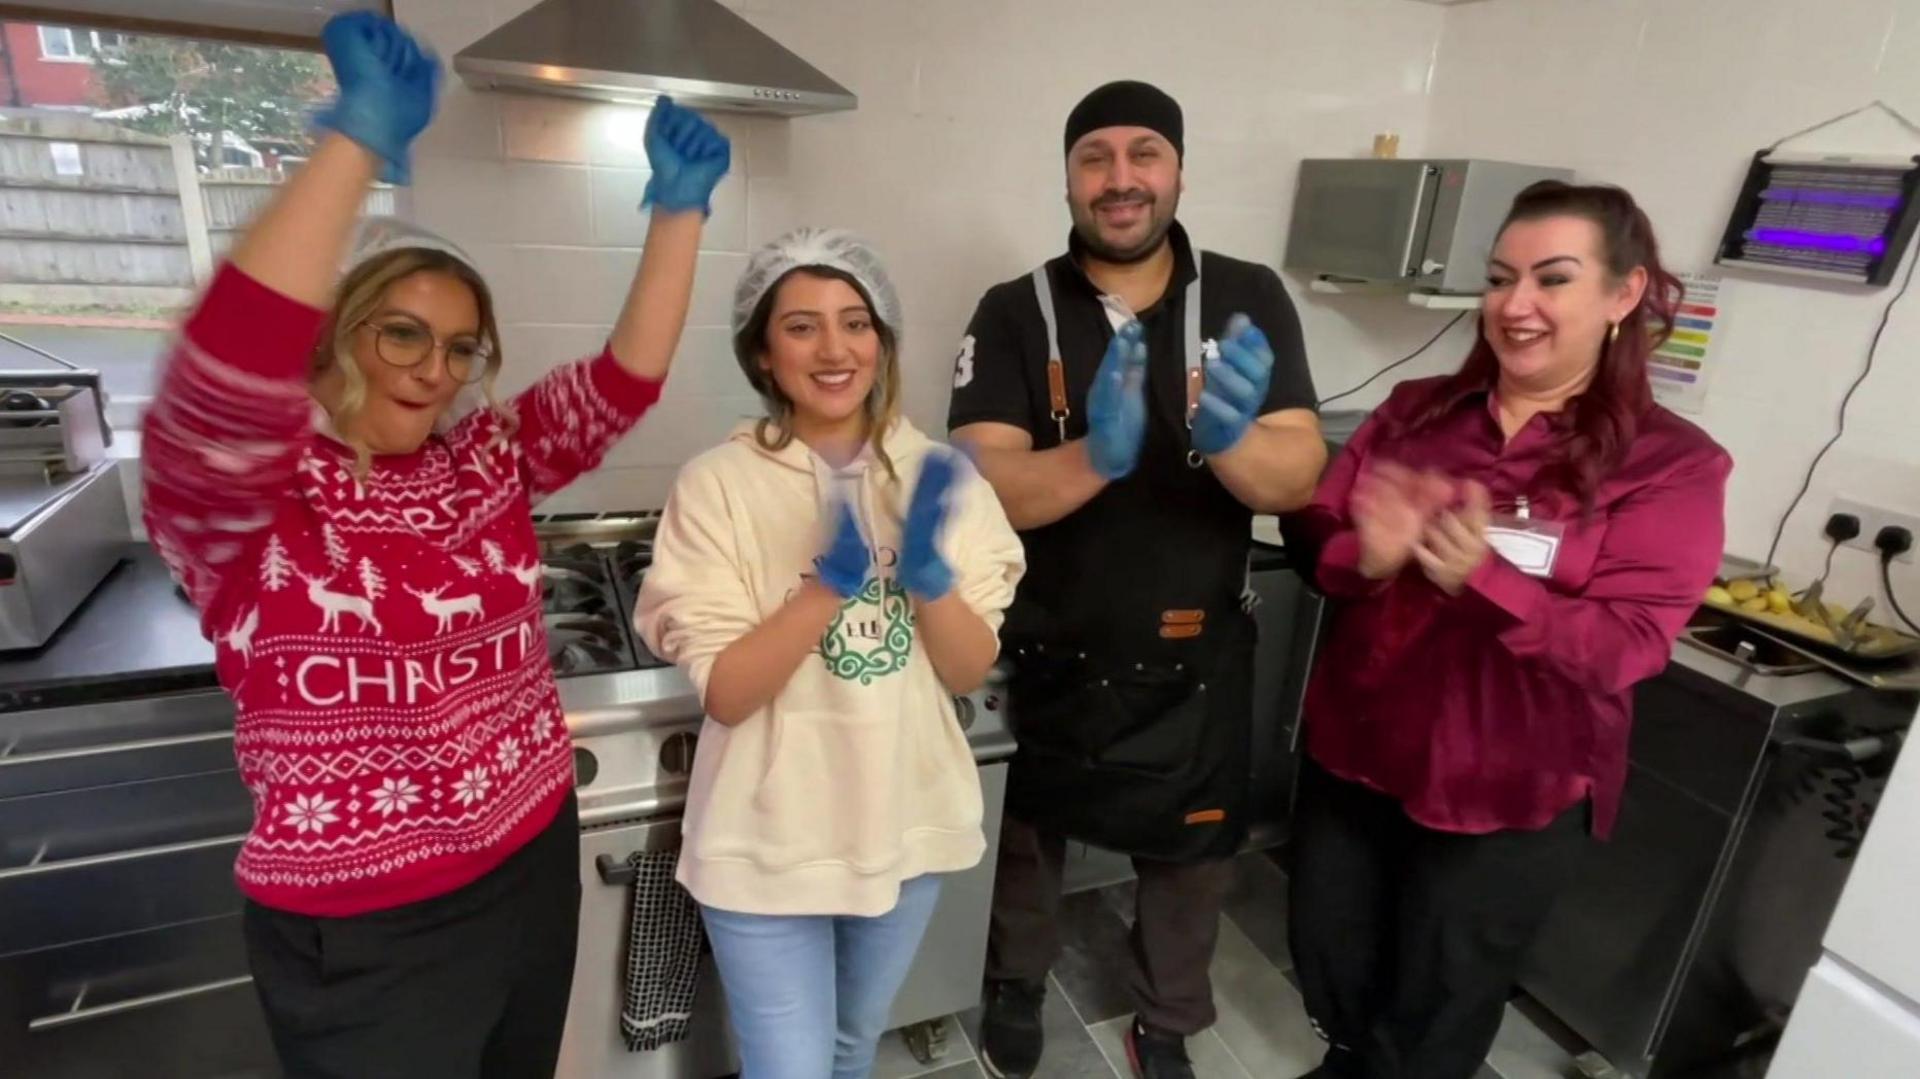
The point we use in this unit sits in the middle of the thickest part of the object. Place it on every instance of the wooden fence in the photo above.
(96, 215)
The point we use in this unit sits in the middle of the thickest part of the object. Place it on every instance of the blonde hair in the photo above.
(359, 297)
(881, 408)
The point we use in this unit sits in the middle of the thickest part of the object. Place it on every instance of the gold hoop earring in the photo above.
(1613, 332)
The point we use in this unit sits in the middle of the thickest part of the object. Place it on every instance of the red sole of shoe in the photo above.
(1133, 1054)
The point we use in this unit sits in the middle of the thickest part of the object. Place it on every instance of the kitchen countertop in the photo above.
(134, 636)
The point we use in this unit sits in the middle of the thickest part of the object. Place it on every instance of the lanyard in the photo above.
(1056, 372)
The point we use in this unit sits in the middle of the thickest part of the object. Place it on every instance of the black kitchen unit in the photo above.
(1681, 945)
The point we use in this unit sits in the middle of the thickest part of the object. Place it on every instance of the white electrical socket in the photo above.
(1872, 520)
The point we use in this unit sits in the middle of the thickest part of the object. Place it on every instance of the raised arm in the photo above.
(573, 416)
(689, 157)
(232, 416)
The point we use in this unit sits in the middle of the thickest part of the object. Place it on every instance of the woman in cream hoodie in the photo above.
(829, 578)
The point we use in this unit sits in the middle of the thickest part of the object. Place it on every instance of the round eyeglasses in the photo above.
(405, 343)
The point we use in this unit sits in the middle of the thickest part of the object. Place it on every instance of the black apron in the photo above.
(1135, 736)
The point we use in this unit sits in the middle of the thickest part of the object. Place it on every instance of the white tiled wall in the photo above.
(1671, 98)
(951, 166)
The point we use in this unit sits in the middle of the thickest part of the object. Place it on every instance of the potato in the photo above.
(1719, 596)
(1754, 604)
(1742, 590)
(1779, 602)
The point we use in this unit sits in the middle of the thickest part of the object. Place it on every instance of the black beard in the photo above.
(1089, 235)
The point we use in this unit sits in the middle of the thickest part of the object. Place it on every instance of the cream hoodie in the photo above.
(857, 776)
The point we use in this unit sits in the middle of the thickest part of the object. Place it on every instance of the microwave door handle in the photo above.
(1413, 224)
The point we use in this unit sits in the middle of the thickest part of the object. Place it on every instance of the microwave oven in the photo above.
(1424, 224)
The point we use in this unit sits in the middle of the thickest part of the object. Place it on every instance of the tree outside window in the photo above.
(103, 134)
(227, 97)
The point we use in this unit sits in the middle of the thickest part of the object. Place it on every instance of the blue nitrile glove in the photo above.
(844, 567)
(922, 570)
(1117, 404)
(388, 85)
(688, 156)
(1236, 388)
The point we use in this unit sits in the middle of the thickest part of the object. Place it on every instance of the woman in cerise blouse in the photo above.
(1508, 550)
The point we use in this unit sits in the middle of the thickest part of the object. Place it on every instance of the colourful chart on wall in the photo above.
(1679, 369)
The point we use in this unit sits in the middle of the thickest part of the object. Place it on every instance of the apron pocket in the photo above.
(1142, 720)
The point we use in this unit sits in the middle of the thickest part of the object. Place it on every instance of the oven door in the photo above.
(592, 1046)
(1364, 220)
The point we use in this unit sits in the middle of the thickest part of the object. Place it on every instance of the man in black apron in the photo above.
(1132, 425)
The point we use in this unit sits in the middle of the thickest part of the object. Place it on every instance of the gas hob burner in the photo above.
(581, 655)
(591, 564)
(632, 558)
(563, 596)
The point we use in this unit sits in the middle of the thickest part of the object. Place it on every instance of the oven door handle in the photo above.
(38, 868)
(617, 873)
(77, 1014)
(1858, 750)
(81, 753)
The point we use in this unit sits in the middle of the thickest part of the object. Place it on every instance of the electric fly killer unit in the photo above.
(1838, 217)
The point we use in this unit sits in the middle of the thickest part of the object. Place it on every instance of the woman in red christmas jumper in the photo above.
(366, 565)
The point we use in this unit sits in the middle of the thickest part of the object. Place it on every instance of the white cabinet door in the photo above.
(1844, 1026)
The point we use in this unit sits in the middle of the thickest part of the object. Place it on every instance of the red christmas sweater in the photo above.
(398, 723)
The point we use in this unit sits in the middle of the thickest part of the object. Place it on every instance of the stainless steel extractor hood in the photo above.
(634, 50)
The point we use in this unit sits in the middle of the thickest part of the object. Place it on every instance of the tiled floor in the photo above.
(1262, 1032)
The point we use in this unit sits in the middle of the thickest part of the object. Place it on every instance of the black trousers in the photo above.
(1408, 941)
(1175, 926)
(473, 983)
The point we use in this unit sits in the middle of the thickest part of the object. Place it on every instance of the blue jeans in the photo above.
(809, 994)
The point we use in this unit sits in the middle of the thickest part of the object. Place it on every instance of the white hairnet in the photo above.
(835, 249)
(380, 234)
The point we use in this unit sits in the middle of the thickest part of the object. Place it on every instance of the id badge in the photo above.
(1530, 544)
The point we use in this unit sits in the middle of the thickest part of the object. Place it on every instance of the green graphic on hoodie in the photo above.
(865, 648)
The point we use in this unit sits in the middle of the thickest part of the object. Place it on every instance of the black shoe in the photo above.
(1157, 1054)
(1011, 1037)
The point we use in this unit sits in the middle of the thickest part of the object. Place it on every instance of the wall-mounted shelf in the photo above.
(1443, 302)
(1433, 300)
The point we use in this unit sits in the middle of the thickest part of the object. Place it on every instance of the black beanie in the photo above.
(1128, 104)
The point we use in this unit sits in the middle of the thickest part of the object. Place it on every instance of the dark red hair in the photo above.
(1606, 415)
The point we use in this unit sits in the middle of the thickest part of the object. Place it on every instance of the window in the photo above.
(96, 160)
(70, 46)
(60, 43)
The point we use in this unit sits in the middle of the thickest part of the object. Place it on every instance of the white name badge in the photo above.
(1530, 545)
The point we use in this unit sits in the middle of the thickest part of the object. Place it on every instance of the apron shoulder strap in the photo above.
(1058, 411)
(1194, 358)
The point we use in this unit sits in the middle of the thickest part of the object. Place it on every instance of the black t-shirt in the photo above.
(1168, 537)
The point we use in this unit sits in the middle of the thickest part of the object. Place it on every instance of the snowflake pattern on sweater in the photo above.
(381, 635)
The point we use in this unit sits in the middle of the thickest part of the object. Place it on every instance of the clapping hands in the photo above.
(1402, 515)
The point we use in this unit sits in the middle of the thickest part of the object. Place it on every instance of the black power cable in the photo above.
(1886, 581)
(1401, 362)
(1840, 426)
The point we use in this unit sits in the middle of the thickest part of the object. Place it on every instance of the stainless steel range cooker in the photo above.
(635, 724)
